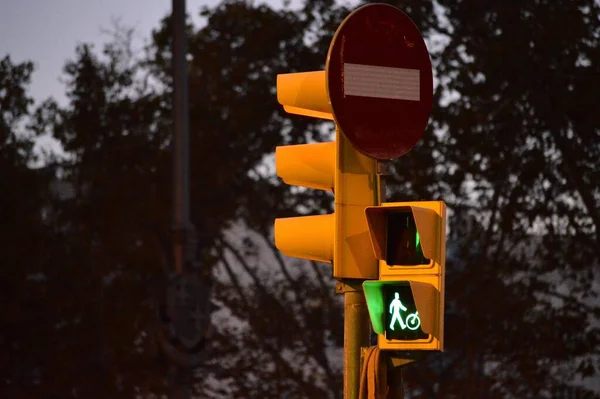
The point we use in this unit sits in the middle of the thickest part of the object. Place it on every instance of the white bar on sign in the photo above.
(381, 82)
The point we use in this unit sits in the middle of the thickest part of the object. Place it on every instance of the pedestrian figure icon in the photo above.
(395, 307)
(412, 320)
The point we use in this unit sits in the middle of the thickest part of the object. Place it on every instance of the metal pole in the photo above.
(180, 377)
(181, 203)
(356, 336)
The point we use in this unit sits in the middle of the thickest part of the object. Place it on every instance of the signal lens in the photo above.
(403, 244)
(401, 320)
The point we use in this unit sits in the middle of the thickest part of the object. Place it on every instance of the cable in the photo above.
(372, 386)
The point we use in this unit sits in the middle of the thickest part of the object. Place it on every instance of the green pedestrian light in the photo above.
(401, 317)
(393, 310)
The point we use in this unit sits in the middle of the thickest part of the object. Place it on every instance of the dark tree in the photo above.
(25, 237)
(512, 147)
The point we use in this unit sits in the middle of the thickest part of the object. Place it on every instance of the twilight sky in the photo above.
(48, 31)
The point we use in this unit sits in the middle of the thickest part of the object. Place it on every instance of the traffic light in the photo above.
(341, 238)
(378, 88)
(406, 304)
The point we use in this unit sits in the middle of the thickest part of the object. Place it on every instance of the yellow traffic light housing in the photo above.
(341, 238)
(304, 93)
(378, 88)
(406, 305)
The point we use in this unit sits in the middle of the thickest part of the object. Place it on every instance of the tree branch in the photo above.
(317, 352)
(309, 389)
(576, 177)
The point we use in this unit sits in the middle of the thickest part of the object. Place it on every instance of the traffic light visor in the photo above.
(304, 93)
(403, 242)
(404, 235)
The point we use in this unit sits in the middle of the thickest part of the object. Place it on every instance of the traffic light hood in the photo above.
(304, 93)
(428, 223)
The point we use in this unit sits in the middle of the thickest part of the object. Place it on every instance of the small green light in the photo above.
(403, 241)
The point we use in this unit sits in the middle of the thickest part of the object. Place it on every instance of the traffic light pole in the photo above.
(356, 314)
(180, 377)
(181, 153)
(356, 334)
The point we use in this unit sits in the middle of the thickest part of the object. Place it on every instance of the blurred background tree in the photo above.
(512, 147)
(516, 144)
(26, 240)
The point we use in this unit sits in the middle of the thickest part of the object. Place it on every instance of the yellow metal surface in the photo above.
(426, 297)
(343, 237)
(307, 165)
(307, 237)
(307, 112)
(355, 188)
(400, 362)
(304, 93)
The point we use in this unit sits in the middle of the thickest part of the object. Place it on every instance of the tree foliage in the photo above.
(515, 154)
(24, 236)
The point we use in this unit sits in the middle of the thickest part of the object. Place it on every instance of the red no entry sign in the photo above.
(380, 81)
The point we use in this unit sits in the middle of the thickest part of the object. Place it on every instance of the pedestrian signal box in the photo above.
(406, 304)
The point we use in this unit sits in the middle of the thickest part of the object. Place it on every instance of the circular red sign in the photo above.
(380, 81)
